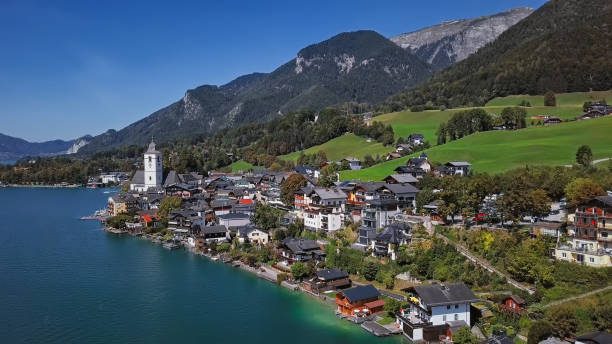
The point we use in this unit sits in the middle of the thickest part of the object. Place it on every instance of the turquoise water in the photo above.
(65, 281)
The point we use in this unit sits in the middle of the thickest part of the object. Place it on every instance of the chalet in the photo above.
(234, 220)
(411, 170)
(359, 301)
(590, 115)
(552, 121)
(453, 168)
(421, 162)
(301, 250)
(393, 156)
(434, 309)
(328, 279)
(389, 239)
(513, 305)
(401, 179)
(209, 234)
(180, 221)
(416, 139)
(433, 210)
(354, 164)
(307, 171)
(599, 106)
(589, 234)
(222, 206)
(405, 194)
(253, 235)
(403, 148)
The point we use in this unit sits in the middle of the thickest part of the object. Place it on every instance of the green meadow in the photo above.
(498, 151)
(348, 145)
(243, 166)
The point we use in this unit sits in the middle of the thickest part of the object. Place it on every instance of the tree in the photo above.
(299, 270)
(169, 204)
(267, 217)
(369, 161)
(582, 190)
(370, 269)
(539, 331)
(328, 177)
(565, 321)
(441, 133)
(584, 156)
(465, 336)
(550, 99)
(539, 203)
(290, 186)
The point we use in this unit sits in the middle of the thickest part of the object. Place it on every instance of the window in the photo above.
(149, 178)
(448, 307)
(149, 159)
(444, 317)
(456, 316)
(564, 255)
(456, 306)
(592, 260)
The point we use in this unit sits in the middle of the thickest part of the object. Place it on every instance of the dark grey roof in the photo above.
(213, 229)
(300, 245)
(403, 178)
(416, 136)
(401, 188)
(503, 339)
(442, 294)
(222, 203)
(171, 179)
(371, 186)
(458, 163)
(138, 177)
(416, 161)
(331, 274)
(329, 193)
(456, 325)
(393, 234)
(600, 337)
(607, 200)
(362, 292)
(233, 216)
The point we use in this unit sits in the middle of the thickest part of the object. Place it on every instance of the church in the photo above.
(151, 177)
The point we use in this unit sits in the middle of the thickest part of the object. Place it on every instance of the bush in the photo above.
(539, 331)
(299, 270)
(369, 271)
(281, 277)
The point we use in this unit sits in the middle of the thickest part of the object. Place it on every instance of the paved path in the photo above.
(477, 260)
(572, 298)
(600, 160)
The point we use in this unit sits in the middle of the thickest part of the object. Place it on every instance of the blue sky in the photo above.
(70, 68)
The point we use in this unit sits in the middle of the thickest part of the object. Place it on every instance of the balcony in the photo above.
(584, 250)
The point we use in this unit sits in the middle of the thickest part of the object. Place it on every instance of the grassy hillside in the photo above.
(563, 99)
(348, 145)
(243, 166)
(497, 151)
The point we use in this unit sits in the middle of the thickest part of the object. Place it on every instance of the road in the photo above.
(477, 260)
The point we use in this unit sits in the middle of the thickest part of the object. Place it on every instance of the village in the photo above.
(286, 228)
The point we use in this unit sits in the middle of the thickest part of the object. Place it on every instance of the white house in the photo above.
(434, 309)
(253, 235)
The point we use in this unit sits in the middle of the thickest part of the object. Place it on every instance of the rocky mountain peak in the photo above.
(452, 41)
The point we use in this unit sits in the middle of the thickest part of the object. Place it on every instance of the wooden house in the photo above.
(360, 301)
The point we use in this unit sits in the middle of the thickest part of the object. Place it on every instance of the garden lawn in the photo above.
(345, 146)
(498, 151)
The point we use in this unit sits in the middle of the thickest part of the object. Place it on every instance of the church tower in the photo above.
(152, 167)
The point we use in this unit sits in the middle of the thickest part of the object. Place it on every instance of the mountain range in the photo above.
(12, 148)
(359, 67)
(563, 47)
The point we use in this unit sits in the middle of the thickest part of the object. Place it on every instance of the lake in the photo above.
(63, 280)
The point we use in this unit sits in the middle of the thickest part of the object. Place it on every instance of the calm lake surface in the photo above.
(65, 281)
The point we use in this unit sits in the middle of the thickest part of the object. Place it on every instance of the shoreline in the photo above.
(323, 298)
